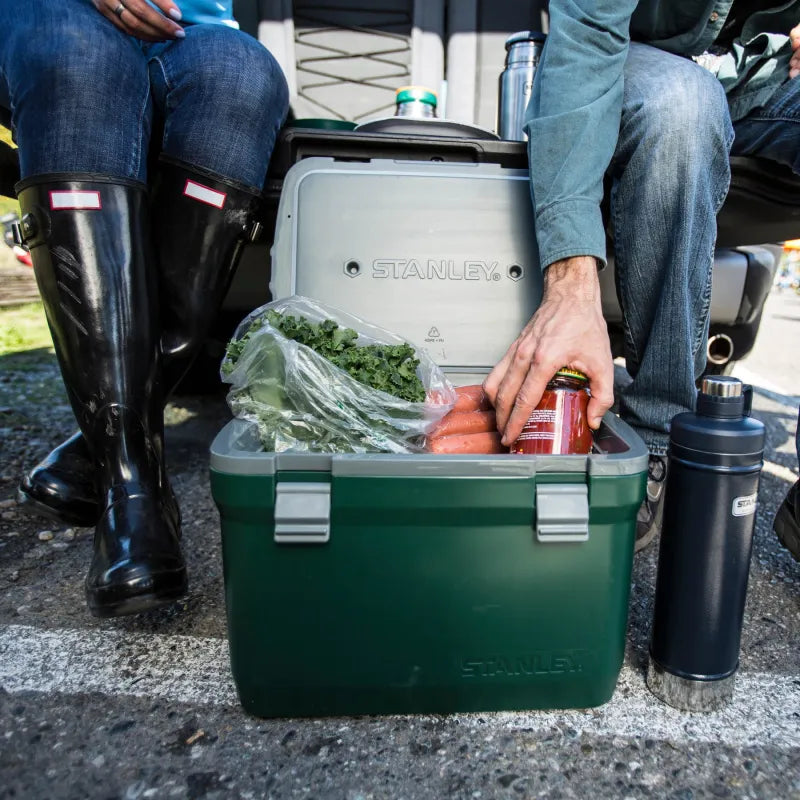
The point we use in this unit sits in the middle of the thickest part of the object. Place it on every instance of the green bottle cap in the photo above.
(407, 94)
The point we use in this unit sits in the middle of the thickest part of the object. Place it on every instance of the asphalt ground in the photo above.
(145, 707)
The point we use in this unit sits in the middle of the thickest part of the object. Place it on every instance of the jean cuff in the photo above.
(657, 444)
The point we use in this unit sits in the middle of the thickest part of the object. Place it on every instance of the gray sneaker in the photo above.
(651, 512)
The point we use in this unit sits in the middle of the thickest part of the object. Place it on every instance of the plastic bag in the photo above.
(302, 402)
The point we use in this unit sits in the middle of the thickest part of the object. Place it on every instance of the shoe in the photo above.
(787, 521)
(194, 275)
(61, 486)
(89, 241)
(651, 512)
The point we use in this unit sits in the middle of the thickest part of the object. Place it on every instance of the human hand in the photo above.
(567, 329)
(137, 18)
(794, 63)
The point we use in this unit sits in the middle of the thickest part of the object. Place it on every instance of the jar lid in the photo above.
(406, 94)
(568, 372)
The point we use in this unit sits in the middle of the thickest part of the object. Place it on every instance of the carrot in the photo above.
(471, 398)
(478, 443)
(457, 422)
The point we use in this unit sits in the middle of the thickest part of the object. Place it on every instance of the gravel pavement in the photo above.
(145, 708)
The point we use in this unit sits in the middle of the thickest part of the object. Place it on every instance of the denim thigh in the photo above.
(77, 89)
(223, 98)
(670, 173)
(773, 130)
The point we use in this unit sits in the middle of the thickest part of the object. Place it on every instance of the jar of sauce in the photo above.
(559, 424)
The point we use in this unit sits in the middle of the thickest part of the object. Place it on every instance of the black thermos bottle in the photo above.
(715, 458)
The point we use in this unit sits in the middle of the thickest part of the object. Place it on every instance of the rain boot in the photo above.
(200, 226)
(89, 240)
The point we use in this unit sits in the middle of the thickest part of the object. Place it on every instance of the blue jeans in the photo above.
(670, 174)
(84, 97)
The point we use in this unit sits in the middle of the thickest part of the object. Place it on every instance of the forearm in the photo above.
(573, 123)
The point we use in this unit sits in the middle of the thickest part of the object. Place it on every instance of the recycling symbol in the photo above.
(433, 333)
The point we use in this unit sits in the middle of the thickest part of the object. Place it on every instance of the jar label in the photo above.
(545, 415)
(744, 506)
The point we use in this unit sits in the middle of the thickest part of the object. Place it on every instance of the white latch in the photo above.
(302, 513)
(562, 512)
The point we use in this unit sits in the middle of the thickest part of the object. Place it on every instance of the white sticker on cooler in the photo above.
(63, 199)
(205, 195)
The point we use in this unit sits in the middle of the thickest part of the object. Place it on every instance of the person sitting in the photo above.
(132, 258)
(649, 95)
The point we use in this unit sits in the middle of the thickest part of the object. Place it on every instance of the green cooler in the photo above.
(377, 584)
(382, 584)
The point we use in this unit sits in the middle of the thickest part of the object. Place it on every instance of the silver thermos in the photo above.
(523, 50)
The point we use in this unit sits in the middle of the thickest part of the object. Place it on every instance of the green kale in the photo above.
(387, 368)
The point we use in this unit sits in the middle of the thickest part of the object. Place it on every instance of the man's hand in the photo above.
(137, 18)
(794, 63)
(567, 329)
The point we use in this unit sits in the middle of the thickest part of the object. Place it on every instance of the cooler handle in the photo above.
(747, 393)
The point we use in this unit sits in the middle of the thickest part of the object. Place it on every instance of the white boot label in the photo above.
(205, 195)
(63, 200)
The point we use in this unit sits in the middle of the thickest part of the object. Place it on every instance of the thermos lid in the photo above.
(722, 386)
(720, 433)
(524, 36)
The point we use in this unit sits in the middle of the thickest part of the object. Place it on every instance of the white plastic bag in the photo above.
(302, 402)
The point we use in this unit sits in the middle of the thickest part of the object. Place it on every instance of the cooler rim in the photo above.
(226, 457)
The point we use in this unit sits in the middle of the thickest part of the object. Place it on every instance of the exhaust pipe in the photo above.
(720, 349)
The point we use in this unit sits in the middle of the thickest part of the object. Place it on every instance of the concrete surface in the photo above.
(145, 707)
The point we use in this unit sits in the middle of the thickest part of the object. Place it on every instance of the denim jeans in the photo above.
(84, 97)
(670, 174)
(773, 131)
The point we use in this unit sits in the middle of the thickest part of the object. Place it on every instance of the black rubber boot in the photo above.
(200, 225)
(96, 274)
(61, 486)
(787, 521)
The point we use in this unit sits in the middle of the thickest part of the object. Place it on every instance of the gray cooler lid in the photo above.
(441, 254)
(621, 452)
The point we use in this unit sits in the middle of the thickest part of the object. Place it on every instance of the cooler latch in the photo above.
(302, 513)
(562, 512)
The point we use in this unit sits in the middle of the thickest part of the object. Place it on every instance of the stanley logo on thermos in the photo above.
(743, 506)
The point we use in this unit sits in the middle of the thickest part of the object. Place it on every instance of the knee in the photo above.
(685, 117)
(86, 64)
(80, 105)
(242, 76)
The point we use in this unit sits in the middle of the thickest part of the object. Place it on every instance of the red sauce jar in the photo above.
(559, 424)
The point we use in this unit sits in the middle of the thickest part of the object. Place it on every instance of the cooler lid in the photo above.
(441, 254)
